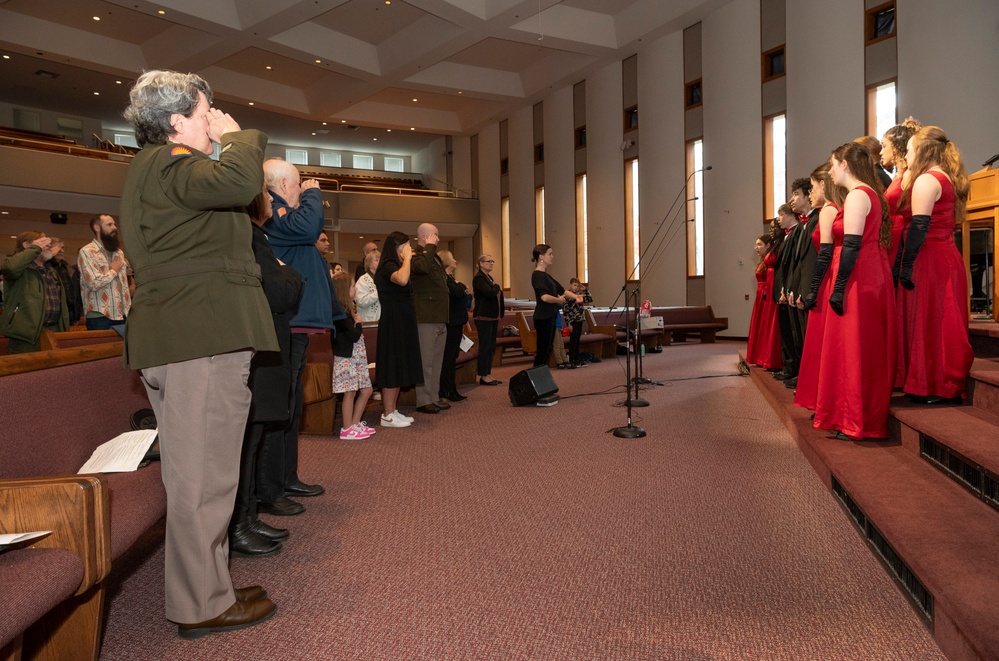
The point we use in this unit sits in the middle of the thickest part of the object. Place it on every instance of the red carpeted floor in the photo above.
(493, 532)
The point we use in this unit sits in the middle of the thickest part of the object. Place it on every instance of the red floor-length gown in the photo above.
(763, 348)
(938, 354)
(901, 216)
(808, 373)
(857, 359)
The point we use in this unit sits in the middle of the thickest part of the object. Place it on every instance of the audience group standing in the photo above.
(870, 285)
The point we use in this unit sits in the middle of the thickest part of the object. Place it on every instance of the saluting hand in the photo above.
(220, 123)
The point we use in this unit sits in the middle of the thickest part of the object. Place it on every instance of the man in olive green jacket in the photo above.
(432, 302)
(35, 298)
(197, 316)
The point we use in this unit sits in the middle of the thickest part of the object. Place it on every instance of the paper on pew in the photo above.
(15, 537)
(466, 343)
(121, 454)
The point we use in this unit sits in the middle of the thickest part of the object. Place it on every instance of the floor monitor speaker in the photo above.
(533, 387)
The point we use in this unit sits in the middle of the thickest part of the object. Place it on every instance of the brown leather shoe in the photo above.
(250, 593)
(240, 615)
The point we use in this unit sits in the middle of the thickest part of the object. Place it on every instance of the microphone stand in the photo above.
(629, 430)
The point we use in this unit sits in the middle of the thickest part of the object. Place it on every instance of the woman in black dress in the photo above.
(489, 309)
(550, 294)
(397, 353)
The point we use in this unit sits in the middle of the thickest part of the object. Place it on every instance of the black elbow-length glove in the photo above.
(918, 229)
(847, 260)
(821, 266)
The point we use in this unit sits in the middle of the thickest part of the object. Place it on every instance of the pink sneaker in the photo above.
(363, 426)
(353, 434)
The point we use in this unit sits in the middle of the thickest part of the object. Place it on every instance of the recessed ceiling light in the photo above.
(360, 237)
(343, 121)
(388, 2)
(6, 57)
(324, 123)
(319, 61)
(268, 67)
(414, 100)
(161, 12)
(117, 82)
(375, 139)
(313, 133)
(459, 91)
(97, 18)
(251, 103)
(388, 130)
(7, 213)
(97, 93)
(412, 128)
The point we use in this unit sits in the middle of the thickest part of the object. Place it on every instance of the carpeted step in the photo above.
(961, 441)
(936, 532)
(984, 385)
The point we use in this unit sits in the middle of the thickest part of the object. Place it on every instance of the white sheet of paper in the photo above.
(121, 454)
(466, 343)
(15, 537)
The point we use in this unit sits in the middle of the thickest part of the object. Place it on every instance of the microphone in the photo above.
(705, 169)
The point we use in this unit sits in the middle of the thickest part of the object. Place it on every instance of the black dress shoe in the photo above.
(240, 615)
(270, 532)
(299, 488)
(428, 408)
(791, 383)
(781, 376)
(494, 382)
(934, 399)
(282, 506)
(455, 397)
(244, 543)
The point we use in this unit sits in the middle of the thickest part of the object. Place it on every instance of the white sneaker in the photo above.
(377, 396)
(404, 417)
(394, 419)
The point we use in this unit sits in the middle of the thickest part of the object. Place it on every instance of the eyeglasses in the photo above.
(488, 261)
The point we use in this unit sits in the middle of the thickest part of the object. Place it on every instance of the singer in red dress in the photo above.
(938, 355)
(763, 348)
(820, 288)
(857, 361)
(894, 145)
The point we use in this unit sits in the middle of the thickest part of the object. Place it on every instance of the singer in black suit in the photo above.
(800, 283)
(785, 256)
(801, 245)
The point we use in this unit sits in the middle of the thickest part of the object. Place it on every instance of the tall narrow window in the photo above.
(775, 163)
(539, 214)
(582, 263)
(505, 239)
(695, 209)
(881, 109)
(632, 250)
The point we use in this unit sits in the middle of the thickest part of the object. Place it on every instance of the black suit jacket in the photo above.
(800, 280)
(785, 257)
(270, 371)
(489, 303)
(457, 303)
